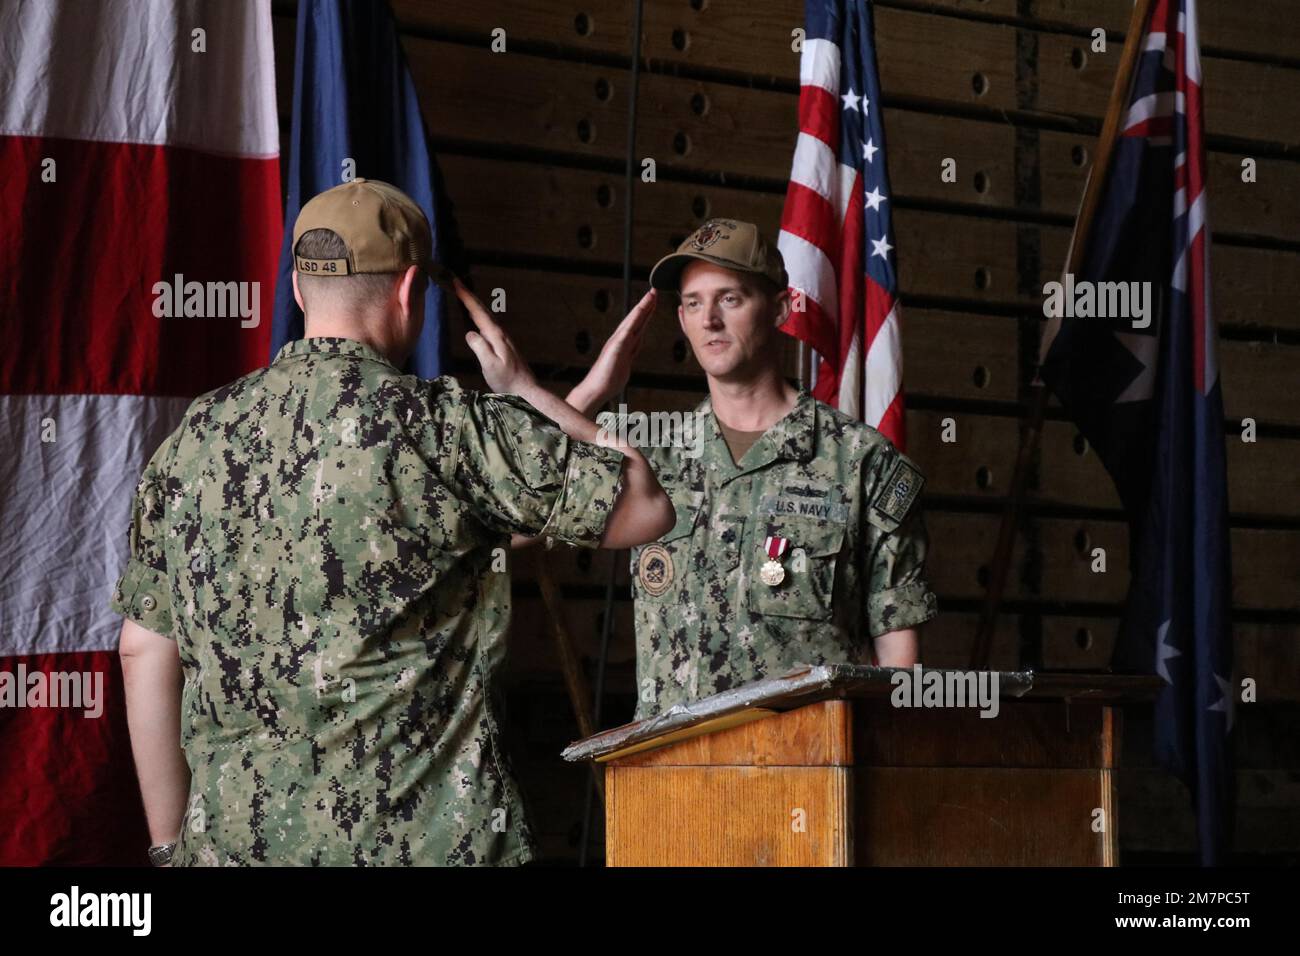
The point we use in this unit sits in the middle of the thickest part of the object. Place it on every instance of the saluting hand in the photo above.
(613, 367)
(503, 367)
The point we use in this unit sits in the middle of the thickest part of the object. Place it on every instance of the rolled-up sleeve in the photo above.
(898, 596)
(143, 593)
(522, 475)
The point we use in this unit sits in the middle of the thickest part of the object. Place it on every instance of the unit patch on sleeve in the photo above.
(899, 491)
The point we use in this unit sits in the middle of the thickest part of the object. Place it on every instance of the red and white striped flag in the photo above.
(140, 147)
(836, 229)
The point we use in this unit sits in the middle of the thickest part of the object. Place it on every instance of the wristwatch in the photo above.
(161, 855)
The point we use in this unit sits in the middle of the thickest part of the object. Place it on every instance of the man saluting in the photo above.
(314, 551)
(798, 538)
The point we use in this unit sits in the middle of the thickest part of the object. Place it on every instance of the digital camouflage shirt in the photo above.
(841, 496)
(326, 539)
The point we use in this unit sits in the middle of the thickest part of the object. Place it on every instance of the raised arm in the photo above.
(642, 512)
(612, 368)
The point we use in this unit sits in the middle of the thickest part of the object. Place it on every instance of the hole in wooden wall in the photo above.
(1079, 154)
(1083, 639)
(586, 237)
(700, 207)
(1080, 444)
(981, 182)
(983, 477)
(699, 104)
(586, 131)
(603, 89)
(604, 196)
(981, 377)
(982, 278)
(582, 23)
(980, 84)
(1083, 542)
(681, 144)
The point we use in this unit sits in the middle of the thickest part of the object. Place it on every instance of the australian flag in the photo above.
(356, 114)
(1149, 401)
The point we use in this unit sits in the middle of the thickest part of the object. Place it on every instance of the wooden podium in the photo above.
(819, 768)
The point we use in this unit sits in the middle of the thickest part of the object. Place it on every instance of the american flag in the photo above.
(1149, 401)
(837, 237)
(162, 163)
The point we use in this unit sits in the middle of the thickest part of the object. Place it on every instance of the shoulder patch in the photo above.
(897, 494)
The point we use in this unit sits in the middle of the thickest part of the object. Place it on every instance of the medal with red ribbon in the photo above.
(772, 573)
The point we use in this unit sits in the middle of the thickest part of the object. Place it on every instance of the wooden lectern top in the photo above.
(807, 685)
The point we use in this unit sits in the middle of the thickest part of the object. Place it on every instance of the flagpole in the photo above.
(1001, 563)
(607, 619)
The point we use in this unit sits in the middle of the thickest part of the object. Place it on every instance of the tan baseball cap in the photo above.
(729, 243)
(382, 227)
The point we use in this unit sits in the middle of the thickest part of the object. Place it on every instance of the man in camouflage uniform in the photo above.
(798, 539)
(319, 548)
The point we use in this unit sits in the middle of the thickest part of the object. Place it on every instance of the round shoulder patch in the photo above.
(655, 569)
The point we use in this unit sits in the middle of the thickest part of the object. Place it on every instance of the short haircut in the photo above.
(341, 292)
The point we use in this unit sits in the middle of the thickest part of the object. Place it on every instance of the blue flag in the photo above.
(1144, 388)
(356, 114)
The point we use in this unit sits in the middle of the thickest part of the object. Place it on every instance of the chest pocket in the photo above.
(658, 567)
(808, 588)
(698, 552)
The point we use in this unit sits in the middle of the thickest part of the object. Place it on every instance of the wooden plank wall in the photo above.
(531, 143)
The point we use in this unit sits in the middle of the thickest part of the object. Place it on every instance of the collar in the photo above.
(793, 438)
(331, 345)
